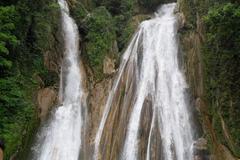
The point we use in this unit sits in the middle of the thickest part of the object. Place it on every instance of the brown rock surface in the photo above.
(97, 97)
(46, 98)
(226, 154)
(108, 66)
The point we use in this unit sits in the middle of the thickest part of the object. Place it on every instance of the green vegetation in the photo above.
(26, 32)
(99, 39)
(222, 69)
(150, 4)
(110, 21)
(101, 27)
(7, 38)
(79, 12)
(217, 22)
(123, 19)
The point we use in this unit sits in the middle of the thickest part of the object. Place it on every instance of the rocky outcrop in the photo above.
(97, 97)
(201, 149)
(108, 66)
(46, 98)
(116, 124)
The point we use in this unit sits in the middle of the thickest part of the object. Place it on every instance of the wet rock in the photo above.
(156, 149)
(46, 98)
(181, 20)
(201, 149)
(49, 63)
(97, 97)
(145, 126)
(109, 66)
(201, 144)
(115, 128)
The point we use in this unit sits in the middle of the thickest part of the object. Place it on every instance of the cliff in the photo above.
(209, 73)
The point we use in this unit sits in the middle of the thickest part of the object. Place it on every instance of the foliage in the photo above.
(15, 112)
(122, 12)
(21, 60)
(100, 37)
(128, 30)
(122, 21)
(151, 5)
(45, 25)
(222, 69)
(101, 27)
(113, 6)
(79, 12)
(7, 38)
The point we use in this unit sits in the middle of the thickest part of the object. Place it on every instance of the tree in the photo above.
(7, 39)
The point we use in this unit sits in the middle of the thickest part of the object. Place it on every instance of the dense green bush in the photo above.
(113, 6)
(79, 13)
(7, 39)
(122, 12)
(150, 4)
(109, 22)
(222, 70)
(99, 39)
(26, 31)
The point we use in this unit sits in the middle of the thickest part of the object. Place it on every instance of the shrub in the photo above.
(100, 38)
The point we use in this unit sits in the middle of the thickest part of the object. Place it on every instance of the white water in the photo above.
(61, 138)
(160, 77)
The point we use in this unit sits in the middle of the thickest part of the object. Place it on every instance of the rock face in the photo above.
(115, 128)
(46, 98)
(201, 149)
(97, 92)
(191, 39)
(97, 99)
(52, 61)
(108, 66)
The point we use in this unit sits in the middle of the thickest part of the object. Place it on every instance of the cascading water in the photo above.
(60, 139)
(160, 77)
(152, 58)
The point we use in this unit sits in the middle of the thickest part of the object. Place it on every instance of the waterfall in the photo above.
(161, 78)
(60, 138)
(152, 59)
